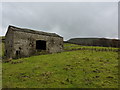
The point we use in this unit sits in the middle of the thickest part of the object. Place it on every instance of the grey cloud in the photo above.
(67, 19)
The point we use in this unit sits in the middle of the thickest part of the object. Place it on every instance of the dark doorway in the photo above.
(41, 45)
(17, 54)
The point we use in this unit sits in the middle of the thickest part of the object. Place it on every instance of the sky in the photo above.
(68, 19)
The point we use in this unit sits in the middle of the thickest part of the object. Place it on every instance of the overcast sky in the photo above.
(70, 20)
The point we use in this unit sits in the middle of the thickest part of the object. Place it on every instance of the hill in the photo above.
(82, 68)
(2, 39)
(95, 42)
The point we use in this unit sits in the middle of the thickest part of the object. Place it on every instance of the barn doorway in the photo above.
(18, 54)
(41, 45)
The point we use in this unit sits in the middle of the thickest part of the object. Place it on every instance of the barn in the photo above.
(22, 42)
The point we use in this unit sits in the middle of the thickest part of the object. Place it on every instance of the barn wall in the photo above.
(26, 43)
(9, 43)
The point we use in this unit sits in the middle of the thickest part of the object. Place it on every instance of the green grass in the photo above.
(68, 46)
(1, 54)
(74, 69)
(1, 49)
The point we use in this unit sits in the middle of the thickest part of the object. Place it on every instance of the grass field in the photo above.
(68, 46)
(1, 49)
(70, 69)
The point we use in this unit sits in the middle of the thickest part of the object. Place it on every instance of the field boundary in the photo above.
(94, 49)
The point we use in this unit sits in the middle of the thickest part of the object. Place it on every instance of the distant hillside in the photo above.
(2, 39)
(95, 42)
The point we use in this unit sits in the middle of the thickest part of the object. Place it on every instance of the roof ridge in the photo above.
(33, 31)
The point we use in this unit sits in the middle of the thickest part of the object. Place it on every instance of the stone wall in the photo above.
(24, 44)
(9, 44)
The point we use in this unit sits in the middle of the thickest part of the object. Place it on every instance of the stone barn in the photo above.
(21, 42)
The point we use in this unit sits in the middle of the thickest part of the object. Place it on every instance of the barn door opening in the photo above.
(40, 45)
(17, 54)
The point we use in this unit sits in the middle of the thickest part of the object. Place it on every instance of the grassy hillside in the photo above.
(82, 40)
(2, 39)
(70, 69)
(68, 47)
(95, 42)
(1, 49)
(1, 46)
